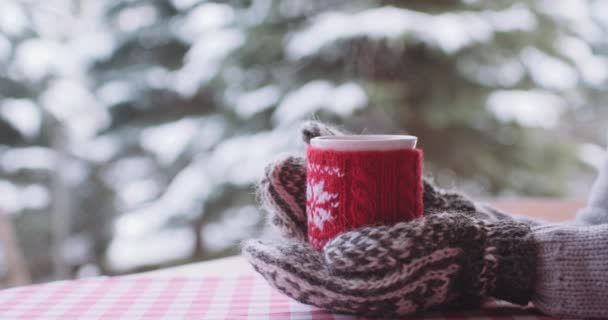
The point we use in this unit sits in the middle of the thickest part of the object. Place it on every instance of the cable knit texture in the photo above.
(351, 189)
(442, 260)
(457, 255)
(572, 270)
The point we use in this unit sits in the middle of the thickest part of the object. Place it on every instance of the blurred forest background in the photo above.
(132, 132)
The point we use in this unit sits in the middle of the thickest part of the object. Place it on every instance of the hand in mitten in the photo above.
(283, 192)
(441, 260)
(572, 261)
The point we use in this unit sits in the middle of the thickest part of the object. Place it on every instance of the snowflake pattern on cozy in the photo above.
(321, 201)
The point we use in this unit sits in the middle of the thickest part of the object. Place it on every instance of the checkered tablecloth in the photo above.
(242, 297)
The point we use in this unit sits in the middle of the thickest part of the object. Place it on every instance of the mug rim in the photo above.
(368, 142)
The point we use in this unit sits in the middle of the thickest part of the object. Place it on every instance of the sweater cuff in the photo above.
(514, 248)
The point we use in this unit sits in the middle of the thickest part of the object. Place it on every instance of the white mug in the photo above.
(369, 142)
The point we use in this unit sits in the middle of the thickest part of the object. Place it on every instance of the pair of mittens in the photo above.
(457, 255)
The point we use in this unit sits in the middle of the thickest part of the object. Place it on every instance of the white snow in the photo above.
(253, 102)
(170, 140)
(547, 71)
(36, 58)
(518, 17)
(342, 100)
(128, 169)
(13, 19)
(184, 196)
(99, 149)
(212, 129)
(236, 224)
(23, 115)
(533, 108)
(205, 17)
(5, 48)
(10, 202)
(346, 99)
(241, 160)
(134, 193)
(114, 92)
(185, 4)
(203, 59)
(136, 17)
(157, 77)
(28, 158)
(505, 73)
(74, 105)
(126, 253)
(35, 196)
(593, 68)
(66, 43)
(238, 160)
(449, 31)
(16, 198)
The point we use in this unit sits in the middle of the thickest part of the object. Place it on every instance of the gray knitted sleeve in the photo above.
(572, 270)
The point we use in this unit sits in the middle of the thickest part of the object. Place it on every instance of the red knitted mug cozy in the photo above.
(347, 190)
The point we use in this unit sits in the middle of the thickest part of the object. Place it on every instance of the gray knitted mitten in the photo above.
(439, 261)
(454, 259)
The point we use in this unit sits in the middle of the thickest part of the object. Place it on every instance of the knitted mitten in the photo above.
(282, 191)
(432, 262)
(441, 260)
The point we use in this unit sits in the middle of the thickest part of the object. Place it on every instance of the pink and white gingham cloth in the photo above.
(146, 298)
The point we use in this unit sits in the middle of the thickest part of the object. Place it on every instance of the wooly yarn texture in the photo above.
(401, 269)
(347, 190)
